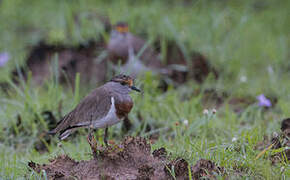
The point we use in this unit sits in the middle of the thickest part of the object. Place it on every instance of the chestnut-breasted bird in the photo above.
(135, 55)
(103, 107)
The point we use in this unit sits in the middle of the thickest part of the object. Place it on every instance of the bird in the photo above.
(103, 107)
(135, 54)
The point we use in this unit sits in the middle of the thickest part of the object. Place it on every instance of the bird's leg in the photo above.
(91, 140)
(90, 137)
(105, 137)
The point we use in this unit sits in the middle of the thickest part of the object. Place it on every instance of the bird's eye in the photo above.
(123, 83)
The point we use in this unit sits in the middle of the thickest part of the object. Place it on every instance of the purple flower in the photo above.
(4, 57)
(263, 101)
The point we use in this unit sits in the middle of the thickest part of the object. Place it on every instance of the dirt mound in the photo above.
(206, 168)
(285, 127)
(278, 141)
(131, 159)
(81, 58)
(186, 66)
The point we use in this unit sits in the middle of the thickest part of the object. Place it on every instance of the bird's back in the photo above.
(93, 107)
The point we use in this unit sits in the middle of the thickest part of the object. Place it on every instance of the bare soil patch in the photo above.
(186, 65)
(131, 159)
(71, 60)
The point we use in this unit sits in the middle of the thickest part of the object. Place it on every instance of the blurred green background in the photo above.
(246, 41)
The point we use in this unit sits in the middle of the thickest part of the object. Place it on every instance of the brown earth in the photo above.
(281, 140)
(285, 142)
(131, 159)
(71, 60)
(186, 66)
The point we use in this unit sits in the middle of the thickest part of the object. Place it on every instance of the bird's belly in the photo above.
(106, 122)
(110, 119)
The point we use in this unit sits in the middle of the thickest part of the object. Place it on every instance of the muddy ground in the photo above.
(131, 159)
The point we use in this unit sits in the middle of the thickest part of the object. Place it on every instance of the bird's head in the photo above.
(122, 27)
(125, 80)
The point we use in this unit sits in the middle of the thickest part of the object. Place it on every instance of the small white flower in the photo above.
(185, 122)
(214, 111)
(205, 111)
(243, 78)
(234, 139)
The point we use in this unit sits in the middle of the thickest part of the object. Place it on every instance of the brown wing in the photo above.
(92, 107)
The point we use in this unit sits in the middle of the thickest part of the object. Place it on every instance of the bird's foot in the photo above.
(93, 144)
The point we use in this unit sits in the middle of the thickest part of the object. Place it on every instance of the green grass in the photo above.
(239, 38)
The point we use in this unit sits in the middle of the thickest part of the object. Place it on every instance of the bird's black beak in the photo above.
(135, 89)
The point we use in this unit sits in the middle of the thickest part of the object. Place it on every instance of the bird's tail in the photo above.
(58, 127)
(63, 128)
(63, 135)
(52, 132)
